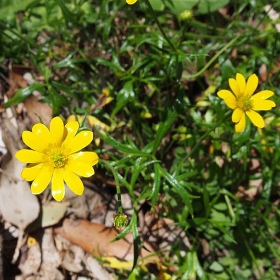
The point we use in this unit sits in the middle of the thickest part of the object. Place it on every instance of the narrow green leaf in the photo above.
(23, 93)
(126, 149)
(163, 129)
(125, 95)
(138, 168)
(136, 243)
(156, 184)
(180, 190)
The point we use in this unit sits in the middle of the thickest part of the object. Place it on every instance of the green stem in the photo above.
(198, 143)
(118, 188)
(248, 247)
(200, 72)
(230, 209)
(3, 26)
(159, 25)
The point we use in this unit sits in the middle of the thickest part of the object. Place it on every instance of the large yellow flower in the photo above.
(243, 102)
(130, 2)
(56, 157)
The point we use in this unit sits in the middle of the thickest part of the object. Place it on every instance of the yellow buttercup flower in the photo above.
(56, 157)
(243, 102)
(130, 2)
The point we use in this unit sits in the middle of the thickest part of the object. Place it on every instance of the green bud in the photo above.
(120, 221)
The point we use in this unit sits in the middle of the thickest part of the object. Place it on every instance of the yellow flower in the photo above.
(56, 157)
(243, 102)
(130, 2)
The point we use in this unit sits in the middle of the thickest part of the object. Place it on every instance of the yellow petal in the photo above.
(239, 127)
(72, 128)
(263, 105)
(42, 179)
(81, 163)
(30, 172)
(57, 131)
(74, 183)
(34, 141)
(255, 118)
(251, 85)
(234, 86)
(73, 118)
(228, 97)
(58, 189)
(29, 156)
(42, 130)
(264, 94)
(237, 115)
(81, 140)
(260, 102)
(80, 168)
(130, 2)
(241, 82)
(87, 157)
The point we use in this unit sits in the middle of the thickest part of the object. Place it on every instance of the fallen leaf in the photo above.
(37, 110)
(96, 269)
(103, 99)
(96, 239)
(17, 205)
(53, 212)
(42, 259)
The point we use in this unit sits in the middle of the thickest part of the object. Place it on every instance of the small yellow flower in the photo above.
(131, 2)
(243, 102)
(56, 157)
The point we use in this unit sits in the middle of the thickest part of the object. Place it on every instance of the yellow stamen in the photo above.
(58, 159)
(244, 103)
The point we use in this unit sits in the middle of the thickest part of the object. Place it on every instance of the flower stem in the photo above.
(118, 188)
(159, 25)
(202, 70)
(196, 146)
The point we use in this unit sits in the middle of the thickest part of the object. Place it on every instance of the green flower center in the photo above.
(245, 103)
(58, 160)
(120, 220)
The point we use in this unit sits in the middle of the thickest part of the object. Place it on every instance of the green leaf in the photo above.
(126, 149)
(136, 242)
(23, 93)
(178, 188)
(199, 6)
(138, 168)
(156, 184)
(125, 95)
(217, 267)
(163, 129)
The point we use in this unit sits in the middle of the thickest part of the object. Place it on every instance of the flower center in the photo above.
(58, 160)
(245, 103)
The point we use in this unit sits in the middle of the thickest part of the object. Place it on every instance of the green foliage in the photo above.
(170, 135)
(199, 7)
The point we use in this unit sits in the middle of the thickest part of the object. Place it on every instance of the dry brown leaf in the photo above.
(17, 204)
(30, 259)
(41, 259)
(53, 212)
(16, 79)
(96, 269)
(37, 110)
(96, 239)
